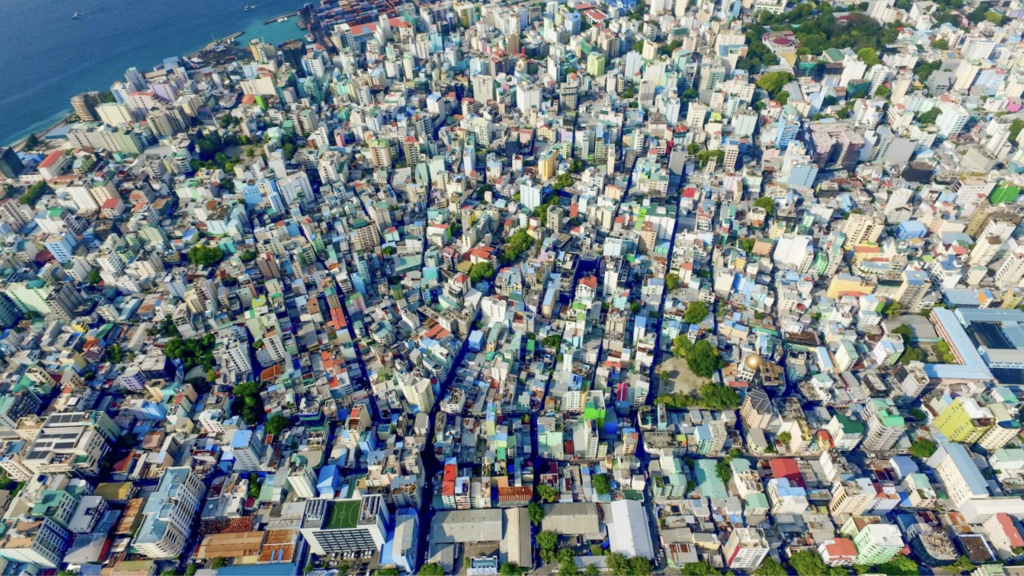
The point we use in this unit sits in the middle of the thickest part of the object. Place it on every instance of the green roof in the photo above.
(343, 515)
(850, 426)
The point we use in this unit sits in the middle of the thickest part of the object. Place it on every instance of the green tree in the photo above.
(747, 244)
(718, 397)
(211, 375)
(567, 563)
(766, 203)
(672, 281)
(536, 513)
(905, 331)
(923, 448)
(994, 17)
(480, 271)
(807, 563)
(774, 82)
(114, 354)
(893, 309)
(1016, 125)
(703, 359)
(277, 423)
(33, 193)
(547, 540)
(591, 570)
(191, 569)
(552, 342)
(602, 484)
(696, 312)
(769, 567)
(507, 569)
(247, 256)
(434, 569)
(93, 277)
(205, 255)
(221, 562)
(701, 568)
(640, 566)
(547, 493)
(940, 44)
(785, 438)
(962, 565)
(945, 352)
(868, 56)
(681, 346)
(248, 403)
(723, 470)
(899, 566)
(928, 117)
(693, 148)
(618, 564)
(882, 91)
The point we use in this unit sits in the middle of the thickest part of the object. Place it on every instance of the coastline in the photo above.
(252, 25)
(20, 144)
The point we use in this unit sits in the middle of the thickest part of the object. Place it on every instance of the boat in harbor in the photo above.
(282, 19)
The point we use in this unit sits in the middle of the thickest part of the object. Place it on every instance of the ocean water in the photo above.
(46, 57)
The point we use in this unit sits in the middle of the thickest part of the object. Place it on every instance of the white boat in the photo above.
(76, 16)
(249, 7)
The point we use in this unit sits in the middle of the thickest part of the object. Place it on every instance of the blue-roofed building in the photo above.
(959, 474)
(971, 367)
(911, 229)
(328, 481)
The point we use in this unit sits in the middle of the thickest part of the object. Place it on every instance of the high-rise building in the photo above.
(345, 526)
(84, 106)
(862, 229)
(547, 164)
(964, 420)
(168, 514)
(248, 449)
(746, 548)
(10, 164)
(877, 543)
(885, 425)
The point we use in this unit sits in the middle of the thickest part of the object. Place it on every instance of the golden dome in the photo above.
(753, 362)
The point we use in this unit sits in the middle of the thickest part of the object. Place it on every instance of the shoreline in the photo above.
(20, 144)
(60, 116)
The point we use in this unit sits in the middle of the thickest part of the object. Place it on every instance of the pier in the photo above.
(275, 18)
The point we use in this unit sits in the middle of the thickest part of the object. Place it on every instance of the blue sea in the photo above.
(46, 57)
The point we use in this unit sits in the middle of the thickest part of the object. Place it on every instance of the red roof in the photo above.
(788, 468)
(51, 159)
(841, 548)
(1012, 534)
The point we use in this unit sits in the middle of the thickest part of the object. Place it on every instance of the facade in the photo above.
(168, 514)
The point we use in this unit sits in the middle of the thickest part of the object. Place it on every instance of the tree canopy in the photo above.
(248, 403)
(703, 359)
(277, 423)
(480, 271)
(696, 312)
(201, 255)
(602, 484)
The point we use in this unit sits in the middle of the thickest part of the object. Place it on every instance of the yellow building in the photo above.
(595, 64)
(547, 164)
(963, 420)
(848, 284)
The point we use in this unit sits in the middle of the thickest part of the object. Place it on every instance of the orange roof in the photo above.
(51, 159)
